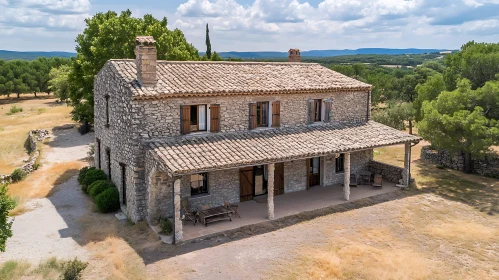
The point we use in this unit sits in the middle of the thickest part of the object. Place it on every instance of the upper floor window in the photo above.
(340, 163)
(260, 114)
(107, 110)
(199, 183)
(319, 110)
(195, 118)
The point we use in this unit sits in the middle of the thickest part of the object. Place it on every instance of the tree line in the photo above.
(23, 76)
(454, 102)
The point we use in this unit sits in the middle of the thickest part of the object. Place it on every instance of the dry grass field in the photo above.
(38, 113)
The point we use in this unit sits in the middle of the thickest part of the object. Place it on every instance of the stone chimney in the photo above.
(145, 60)
(294, 55)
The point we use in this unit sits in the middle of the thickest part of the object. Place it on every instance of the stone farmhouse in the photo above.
(210, 132)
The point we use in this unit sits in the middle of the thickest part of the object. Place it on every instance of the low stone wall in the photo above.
(34, 137)
(389, 172)
(488, 166)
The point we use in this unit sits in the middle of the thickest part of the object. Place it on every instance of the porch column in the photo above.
(406, 175)
(346, 181)
(270, 190)
(176, 212)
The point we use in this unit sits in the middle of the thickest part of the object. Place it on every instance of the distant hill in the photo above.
(10, 55)
(327, 53)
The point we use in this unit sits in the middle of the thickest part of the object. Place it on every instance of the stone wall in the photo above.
(488, 166)
(34, 137)
(389, 172)
(358, 162)
(161, 118)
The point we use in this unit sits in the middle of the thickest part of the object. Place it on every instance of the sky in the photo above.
(265, 25)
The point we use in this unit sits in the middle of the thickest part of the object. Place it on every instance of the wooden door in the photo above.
(246, 180)
(313, 172)
(279, 179)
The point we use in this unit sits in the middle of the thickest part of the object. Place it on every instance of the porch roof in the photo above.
(200, 153)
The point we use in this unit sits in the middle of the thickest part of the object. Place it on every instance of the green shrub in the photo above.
(14, 109)
(166, 226)
(99, 186)
(72, 270)
(17, 175)
(84, 171)
(108, 200)
(92, 176)
(439, 166)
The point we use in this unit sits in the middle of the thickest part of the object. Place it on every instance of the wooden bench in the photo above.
(215, 214)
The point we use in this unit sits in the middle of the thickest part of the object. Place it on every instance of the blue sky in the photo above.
(265, 25)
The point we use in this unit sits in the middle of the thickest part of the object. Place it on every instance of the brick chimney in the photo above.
(145, 60)
(294, 55)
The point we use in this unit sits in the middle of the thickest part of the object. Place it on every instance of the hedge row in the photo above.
(94, 182)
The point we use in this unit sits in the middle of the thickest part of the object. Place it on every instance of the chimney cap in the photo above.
(144, 41)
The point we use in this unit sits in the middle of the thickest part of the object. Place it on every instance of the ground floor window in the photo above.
(199, 183)
(340, 163)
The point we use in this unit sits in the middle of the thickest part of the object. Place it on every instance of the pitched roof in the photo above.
(187, 78)
(183, 155)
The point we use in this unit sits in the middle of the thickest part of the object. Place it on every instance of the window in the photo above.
(340, 163)
(199, 184)
(198, 118)
(98, 153)
(317, 110)
(108, 153)
(262, 114)
(315, 165)
(123, 183)
(107, 110)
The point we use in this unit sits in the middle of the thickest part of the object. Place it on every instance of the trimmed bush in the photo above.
(84, 171)
(17, 175)
(90, 177)
(166, 226)
(99, 186)
(72, 270)
(108, 200)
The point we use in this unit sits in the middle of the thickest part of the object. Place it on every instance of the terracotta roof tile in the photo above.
(230, 150)
(207, 78)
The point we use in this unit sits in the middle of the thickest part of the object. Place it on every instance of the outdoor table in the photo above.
(215, 214)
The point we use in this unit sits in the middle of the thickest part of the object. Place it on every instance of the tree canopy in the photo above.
(59, 81)
(463, 120)
(109, 35)
(22, 76)
(208, 43)
(6, 204)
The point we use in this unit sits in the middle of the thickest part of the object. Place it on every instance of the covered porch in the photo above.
(256, 211)
(219, 155)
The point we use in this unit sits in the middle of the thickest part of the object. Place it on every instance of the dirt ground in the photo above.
(445, 227)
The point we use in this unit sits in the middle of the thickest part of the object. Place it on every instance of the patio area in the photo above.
(255, 211)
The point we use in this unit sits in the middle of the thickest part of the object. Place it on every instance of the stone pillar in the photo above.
(176, 211)
(406, 175)
(270, 190)
(346, 181)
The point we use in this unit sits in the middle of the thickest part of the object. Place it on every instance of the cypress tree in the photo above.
(208, 43)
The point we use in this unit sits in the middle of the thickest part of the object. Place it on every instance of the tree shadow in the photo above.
(13, 98)
(480, 192)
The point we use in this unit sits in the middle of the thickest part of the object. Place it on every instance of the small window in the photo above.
(198, 118)
(317, 109)
(262, 114)
(315, 165)
(340, 163)
(199, 184)
(107, 110)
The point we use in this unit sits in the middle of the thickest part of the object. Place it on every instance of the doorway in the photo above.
(313, 172)
(279, 178)
(254, 181)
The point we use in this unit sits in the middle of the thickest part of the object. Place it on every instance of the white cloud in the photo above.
(55, 15)
(353, 21)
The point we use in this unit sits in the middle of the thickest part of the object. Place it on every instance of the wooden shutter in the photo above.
(214, 118)
(327, 110)
(311, 111)
(185, 119)
(276, 114)
(252, 115)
